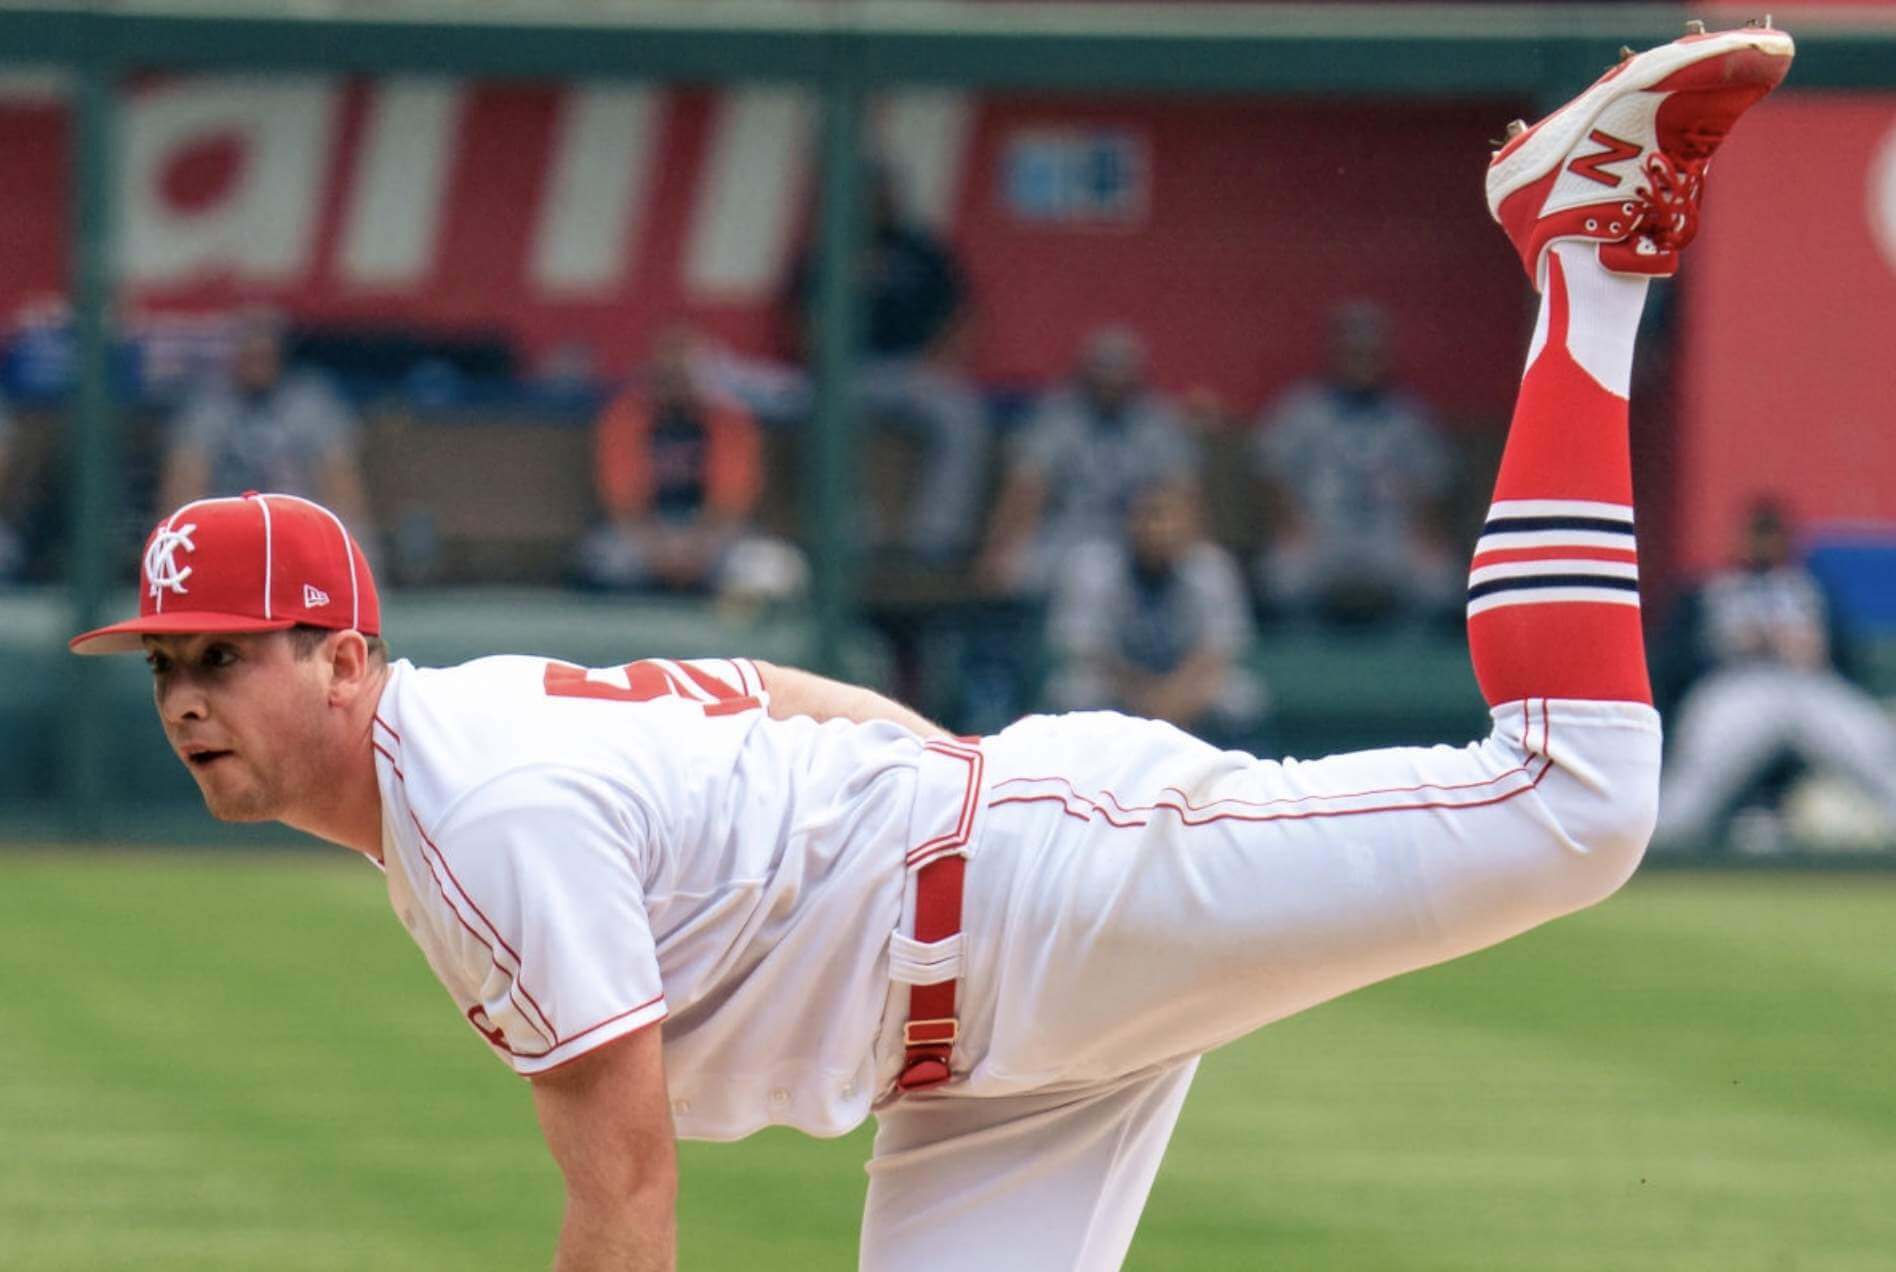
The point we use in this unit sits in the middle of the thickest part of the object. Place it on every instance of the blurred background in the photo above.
(1004, 356)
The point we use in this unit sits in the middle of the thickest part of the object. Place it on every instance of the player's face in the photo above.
(259, 361)
(1161, 524)
(245, 715)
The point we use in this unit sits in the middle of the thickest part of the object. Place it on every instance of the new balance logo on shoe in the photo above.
(313, 596)
(1592, 166)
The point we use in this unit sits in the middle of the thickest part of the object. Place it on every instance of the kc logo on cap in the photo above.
(162, 571)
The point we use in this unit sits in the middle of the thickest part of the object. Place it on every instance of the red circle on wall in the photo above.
(202, 173)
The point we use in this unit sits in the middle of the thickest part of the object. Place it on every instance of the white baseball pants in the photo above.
(1136, 898)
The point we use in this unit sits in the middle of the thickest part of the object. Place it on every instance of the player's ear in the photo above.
(347, 654)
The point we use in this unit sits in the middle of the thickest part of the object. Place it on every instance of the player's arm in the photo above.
(607, 1120)
(800, 693)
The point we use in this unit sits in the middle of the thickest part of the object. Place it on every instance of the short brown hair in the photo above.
(304, 637)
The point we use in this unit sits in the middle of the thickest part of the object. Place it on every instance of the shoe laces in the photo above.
(1667, 205)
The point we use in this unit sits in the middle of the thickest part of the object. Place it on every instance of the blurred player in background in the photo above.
(1072, 473)
(699, 898)
(678, 470)
(1156, 622)
(1772, 689)
(267, 426)
(1355, 474)
(911, 379)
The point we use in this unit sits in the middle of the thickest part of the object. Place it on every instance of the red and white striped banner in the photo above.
(585, 215)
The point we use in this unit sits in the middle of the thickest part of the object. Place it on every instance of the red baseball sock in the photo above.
(1553, 596)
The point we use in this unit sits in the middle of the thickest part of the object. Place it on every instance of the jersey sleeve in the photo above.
(542, 867)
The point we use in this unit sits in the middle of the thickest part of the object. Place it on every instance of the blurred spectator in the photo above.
(266, 426)
(12, 549)
(1157, 623)
(1771, 689)
(1074, 470)
(678, 473)
(1354, 475)
(910, 378)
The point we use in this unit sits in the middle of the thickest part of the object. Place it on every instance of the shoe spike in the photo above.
(1695, 26)
(1764, 22)
(1626, 52)
(1514, 129)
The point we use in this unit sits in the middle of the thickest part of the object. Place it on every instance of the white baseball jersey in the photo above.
(582, 853)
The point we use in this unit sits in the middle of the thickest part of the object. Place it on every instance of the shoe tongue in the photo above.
(1691, 125)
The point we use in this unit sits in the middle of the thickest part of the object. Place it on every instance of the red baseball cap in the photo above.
(254, 563)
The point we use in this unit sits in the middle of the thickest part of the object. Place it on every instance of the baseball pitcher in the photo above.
(697, 898)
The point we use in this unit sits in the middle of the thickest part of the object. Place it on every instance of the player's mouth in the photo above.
(204, 757)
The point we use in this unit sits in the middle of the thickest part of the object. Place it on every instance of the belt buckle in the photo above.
(931, 1032)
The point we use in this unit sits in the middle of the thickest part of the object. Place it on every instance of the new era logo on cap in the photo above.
(255, 563)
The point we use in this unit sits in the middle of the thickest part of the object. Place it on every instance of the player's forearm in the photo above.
(800, 693)
(638, 1234)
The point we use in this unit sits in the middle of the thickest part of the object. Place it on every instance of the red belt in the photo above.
(929, 1036)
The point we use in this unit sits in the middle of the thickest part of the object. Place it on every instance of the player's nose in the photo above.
(179, 701)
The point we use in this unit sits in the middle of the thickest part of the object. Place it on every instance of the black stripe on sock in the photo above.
(1518, 525)
(1479, 590)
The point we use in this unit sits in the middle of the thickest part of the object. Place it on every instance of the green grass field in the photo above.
(238, 1062)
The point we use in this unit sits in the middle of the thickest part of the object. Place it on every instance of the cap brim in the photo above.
(124, 638)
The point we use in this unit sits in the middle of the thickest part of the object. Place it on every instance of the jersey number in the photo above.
(648, 681)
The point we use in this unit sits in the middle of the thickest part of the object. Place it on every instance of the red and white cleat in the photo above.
(1623, 164)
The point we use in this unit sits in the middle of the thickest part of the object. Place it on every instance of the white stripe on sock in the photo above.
(1537, 569)
(1553, 539)
(1561, 508)
(1552, 595)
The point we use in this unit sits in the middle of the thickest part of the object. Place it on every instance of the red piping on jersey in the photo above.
(501, 1044)
(391, 760)
(964, 822)
(561, 1064)
(391, 728)
(543, 1026)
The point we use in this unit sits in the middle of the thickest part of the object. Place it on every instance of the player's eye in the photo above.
(219, 656)
(158, 663)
